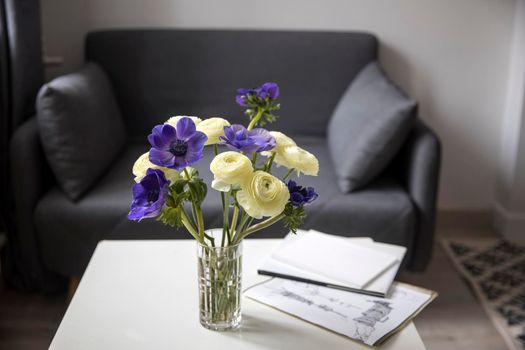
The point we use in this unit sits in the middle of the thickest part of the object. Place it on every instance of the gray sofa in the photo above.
(159, 73)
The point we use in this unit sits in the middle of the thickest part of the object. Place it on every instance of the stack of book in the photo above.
(345, 285)
(353, 264)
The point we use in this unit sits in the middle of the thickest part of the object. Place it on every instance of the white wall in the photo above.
(451, 55)
(510, 195)
(64, 24)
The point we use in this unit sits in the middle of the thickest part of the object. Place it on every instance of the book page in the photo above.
(336, 258)
(379, 285)
(364, 318)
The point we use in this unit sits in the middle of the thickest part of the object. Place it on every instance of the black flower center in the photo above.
(153, 195)
(179, 148)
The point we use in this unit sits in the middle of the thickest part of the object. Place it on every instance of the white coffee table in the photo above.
(143, 295)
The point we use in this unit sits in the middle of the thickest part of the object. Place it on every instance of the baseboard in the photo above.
(510, 225)
(463, 219)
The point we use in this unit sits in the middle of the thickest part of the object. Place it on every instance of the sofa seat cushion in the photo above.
(70, 231)
(382, 210)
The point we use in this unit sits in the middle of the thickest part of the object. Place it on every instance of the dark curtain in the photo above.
(4, 131)
(21, 76)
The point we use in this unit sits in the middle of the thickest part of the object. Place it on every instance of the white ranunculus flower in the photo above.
(281, 142)
(142, 164)
(173, 120)
(230, 168)
(263, 195)
(294, 157)
(213, 128)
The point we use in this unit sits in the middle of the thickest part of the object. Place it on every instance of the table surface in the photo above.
(143, 295)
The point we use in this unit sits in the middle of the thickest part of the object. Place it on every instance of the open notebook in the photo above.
(376, 281)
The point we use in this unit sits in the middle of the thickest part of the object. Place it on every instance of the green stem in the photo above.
(200, 220)
(196, 210)
(194, 214)
(234, 218)
(270, 162)
(209, 238)
(224, 224)
(244, 220)
(255, 119)
(187, 173)
(288, 174)
(257, 227)
(225, 217)
(189, 226)
(254, 159)
(225, 228)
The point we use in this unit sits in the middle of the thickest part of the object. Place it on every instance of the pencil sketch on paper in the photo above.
(360, 317)
(289, 294)
(365, 324)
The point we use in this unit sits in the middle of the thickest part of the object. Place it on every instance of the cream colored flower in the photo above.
(263, 195)
(294, 157)
(230, 168)
(281, 142)
(173, 120)
(142, 164)
(213, 128)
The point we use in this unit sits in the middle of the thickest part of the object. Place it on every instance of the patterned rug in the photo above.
(496, 271)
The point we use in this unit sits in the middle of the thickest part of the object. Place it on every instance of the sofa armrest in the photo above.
(30, 179)
(421, 158)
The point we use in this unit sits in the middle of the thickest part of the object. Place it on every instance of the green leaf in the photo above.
(171, 216)
(193, 173)
(294, 217)
(199, 188)
(178, 186)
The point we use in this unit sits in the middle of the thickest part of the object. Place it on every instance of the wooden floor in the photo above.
(454, 321)
(28, 322)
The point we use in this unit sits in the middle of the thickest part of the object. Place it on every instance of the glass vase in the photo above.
(220, 276)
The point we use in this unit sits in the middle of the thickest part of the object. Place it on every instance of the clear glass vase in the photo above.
(220, 276)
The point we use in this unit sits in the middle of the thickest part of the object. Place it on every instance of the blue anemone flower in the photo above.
(176, 148)
(300, 195)
(238, 138)
(268, 91)
(240, 98)
(149, 195)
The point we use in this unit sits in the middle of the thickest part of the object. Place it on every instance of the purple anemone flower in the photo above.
(176, 148)
(149, 195)
(300, 195)
(238, 138)
(270, 90)
(240, 98)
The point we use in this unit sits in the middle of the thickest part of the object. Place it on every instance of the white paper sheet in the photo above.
(336, 258)
(379, 285)
(363, 318)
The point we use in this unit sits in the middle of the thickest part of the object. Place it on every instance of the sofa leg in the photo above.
(73, 284)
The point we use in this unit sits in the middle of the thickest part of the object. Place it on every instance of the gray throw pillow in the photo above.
(368, 127)
(81, 128)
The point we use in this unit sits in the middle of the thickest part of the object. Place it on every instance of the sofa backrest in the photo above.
(160, 73)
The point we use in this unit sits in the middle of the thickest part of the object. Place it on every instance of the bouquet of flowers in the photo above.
(169, 189)
(166, 182)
